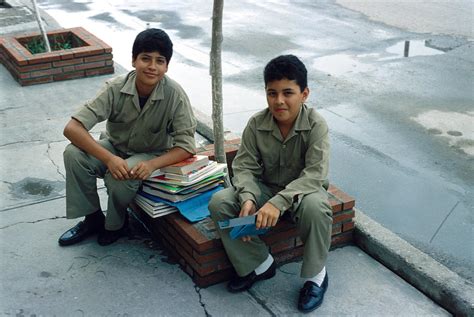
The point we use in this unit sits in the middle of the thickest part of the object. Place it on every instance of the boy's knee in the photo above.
(215, 203)
(315, 208)
(71, 153)
(121, 187)
(222, 202)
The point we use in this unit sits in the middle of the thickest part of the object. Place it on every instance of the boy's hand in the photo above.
(141, 171)
(248, 208)
(118, 168)
(267, 216)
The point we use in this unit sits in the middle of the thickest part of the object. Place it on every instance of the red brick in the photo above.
(46, 72)
(196, 239)
(336, 229)
(348, 226)
(272, 238)
(17, 57)
(69, 75)
(282, 246)
(289, 255)
(341, 239)
(65, 55)
(348, 202)
(96, 58)
(99, 71)
(180, 240)
(68, 62)
(23, 75)
(214, 278)
(43, 58)
(87, 51)
(344, 216)
(90, 65)
(35, 67)
(218, 255)
(33, 81)
(69, 69)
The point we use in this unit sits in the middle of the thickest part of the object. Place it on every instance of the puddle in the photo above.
(410, 49)
(456, 127)
(29, 187)
(340, 64)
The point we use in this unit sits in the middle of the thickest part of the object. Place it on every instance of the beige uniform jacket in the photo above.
(165, 121)
(291, 168)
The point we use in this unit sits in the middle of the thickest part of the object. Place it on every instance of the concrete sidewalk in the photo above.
(133, 276)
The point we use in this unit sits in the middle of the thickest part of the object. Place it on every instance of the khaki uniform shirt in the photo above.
(291, 168)
(165, 121)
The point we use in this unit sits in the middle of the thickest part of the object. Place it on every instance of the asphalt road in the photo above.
(401, 127)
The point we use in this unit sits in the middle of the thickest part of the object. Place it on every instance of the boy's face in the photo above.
(150, 67)
(284, 99)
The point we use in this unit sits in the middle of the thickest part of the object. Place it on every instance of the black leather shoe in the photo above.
(79, 232)
(240, 284)
(107, 237)
(311, 295)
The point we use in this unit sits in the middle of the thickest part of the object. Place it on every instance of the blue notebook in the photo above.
(193, 209)
(246, 230)
(242, 226)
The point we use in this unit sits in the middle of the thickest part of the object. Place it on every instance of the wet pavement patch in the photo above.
(454, 133)
(169, 20)
(455, 127)
(35, 187)
(412, 48)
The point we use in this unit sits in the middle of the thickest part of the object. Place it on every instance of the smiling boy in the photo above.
(281, 169)
(150, 124)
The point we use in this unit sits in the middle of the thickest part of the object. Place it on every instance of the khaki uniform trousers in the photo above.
(312, 215)
(82, 171)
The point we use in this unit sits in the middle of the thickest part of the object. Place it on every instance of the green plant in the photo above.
(58, 42)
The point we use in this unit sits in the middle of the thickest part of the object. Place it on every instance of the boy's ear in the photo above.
(133, 61)
(305, 94)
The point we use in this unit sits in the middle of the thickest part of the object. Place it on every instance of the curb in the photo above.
(443, 286)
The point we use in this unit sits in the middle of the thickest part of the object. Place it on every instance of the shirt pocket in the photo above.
(155, 141)
(271, 168)
(118, 130)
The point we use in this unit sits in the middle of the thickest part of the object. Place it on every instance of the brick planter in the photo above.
(198, 247)
(89, 56)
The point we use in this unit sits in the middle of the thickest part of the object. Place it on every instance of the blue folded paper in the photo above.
(246, 230)
(242, 226)
(193, 209)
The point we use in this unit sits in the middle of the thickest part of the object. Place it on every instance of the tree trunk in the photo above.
(41, 27)
(216, 73)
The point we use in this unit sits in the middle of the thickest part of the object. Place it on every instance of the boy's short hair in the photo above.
(153, 40)
(286, 66)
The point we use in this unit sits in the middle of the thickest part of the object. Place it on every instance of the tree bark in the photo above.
(216, 73)
(41, 27)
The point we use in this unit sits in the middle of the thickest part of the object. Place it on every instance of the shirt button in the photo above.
(284, 146)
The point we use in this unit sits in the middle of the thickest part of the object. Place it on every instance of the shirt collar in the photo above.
(131, 89)
(301, 124)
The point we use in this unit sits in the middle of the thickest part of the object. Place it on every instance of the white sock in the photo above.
(265, 265)
(319, 278)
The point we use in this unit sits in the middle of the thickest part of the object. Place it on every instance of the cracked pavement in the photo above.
(133, 276)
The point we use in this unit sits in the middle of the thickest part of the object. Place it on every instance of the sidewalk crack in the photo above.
(52, 161)
(262, 302)
(444, 220)
(19, 142)
(36, 221)
(198, 291)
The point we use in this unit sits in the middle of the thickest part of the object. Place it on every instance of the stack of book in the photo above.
(162, 193)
